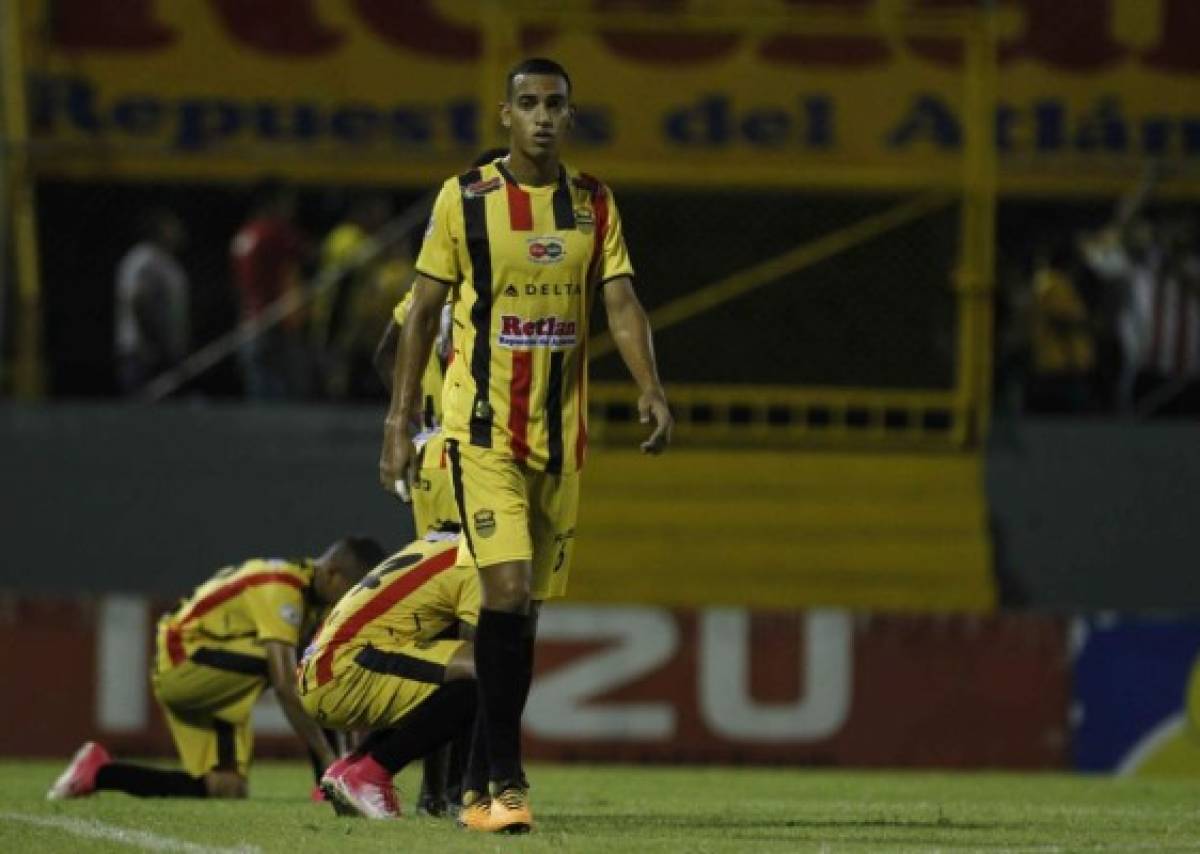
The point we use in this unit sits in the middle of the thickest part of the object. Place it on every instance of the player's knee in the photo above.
(506, 587)
(225, 784)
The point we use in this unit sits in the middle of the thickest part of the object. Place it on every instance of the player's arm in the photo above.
(416, 341)
(281, 667)
(384, 358)
(630, 330)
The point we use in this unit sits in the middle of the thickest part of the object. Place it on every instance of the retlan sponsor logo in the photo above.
(519, 332)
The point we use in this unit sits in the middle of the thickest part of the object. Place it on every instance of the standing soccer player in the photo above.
(522, 246)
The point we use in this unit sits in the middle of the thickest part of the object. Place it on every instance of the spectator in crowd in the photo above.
(267, 253)
(1151, 269)
(1062, 337)
(152, 302)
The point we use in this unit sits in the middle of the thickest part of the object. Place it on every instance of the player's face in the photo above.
(538, 114)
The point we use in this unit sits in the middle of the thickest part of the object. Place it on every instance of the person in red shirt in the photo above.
(266, 254)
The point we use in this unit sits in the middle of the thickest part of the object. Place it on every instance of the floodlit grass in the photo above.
(629, 810)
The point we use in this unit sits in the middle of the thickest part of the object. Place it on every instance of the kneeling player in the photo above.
(216, 653)
(382, 662)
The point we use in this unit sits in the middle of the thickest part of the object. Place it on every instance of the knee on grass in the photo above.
(225, 784)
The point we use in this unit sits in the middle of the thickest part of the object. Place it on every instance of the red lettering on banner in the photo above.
(838, 51)
(1069, 36)
(1177, 50)
(279, 27)
(421, 28)
(663, 48)
(115, 25)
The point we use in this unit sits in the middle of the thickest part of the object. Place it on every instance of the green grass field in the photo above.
(629, 810)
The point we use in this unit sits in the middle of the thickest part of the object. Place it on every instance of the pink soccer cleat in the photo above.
(361, 787)
(79, 780)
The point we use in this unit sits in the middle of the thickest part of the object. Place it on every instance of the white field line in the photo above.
(92, 829)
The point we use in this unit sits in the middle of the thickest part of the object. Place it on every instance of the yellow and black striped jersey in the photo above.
(525, 263)
(241, 607)
(414, 595)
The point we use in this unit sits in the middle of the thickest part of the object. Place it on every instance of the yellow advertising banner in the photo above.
(672, 93)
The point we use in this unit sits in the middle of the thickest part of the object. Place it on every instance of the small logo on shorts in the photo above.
(485, 523)
(290, 614)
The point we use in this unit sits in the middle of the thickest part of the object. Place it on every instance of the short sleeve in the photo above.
(614, 258)
(277, 610)
(439, 250)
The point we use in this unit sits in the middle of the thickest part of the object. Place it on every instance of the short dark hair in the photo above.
(366, 551)
(537, 65)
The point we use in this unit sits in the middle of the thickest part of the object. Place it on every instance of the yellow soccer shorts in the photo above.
(512, 512)
(432, 494)
(375, 687)
(208, 709)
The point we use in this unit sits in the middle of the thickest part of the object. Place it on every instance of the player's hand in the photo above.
(653, 404)
(396, 462)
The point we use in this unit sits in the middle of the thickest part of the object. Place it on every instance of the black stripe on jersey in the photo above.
(564, 209)
(554, 413)
(459, 499)
(399, 664)
(480, 250)
(508, 176)
(233, 662)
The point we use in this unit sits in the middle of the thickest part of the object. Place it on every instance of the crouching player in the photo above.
(383, 662)
(215, 655)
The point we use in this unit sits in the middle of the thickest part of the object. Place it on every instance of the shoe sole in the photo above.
(61, 790)
(517, 827)
(343, 804)
(342, 807)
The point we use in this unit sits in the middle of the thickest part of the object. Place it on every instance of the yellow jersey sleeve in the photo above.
(277, 609)
(439, 250)
(614, 257)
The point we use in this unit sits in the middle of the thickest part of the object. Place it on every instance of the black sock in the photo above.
(426, 728)
(460, 746)
(502, 653)
(435, 772)
(476, 776)
(149, 782)
(527, 674)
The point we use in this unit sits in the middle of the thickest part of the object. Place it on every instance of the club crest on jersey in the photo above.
(546, 250)
(521, 333)
(481, 188)
(485, 523)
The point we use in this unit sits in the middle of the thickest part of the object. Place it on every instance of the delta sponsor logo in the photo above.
(546, 250)
(519, 333)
